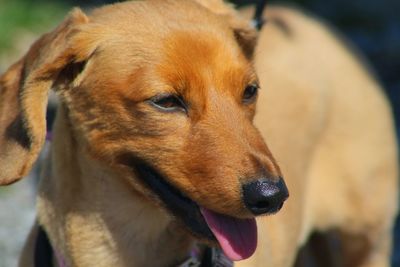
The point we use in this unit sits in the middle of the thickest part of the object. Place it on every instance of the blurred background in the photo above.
(372, 26)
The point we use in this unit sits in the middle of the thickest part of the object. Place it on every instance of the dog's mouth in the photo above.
(237, 237)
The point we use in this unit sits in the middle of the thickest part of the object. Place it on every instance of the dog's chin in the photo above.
(183, 208)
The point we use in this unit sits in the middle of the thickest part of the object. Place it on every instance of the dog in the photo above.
(158, 151)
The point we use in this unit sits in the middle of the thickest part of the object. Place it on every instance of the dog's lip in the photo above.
(182, 207)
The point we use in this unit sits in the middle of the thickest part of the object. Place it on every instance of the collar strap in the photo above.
(211, 257)
(43, 256)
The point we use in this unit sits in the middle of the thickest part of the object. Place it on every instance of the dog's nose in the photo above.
(265, 196)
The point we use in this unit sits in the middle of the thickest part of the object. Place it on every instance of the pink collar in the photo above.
(60, 259)
(49, 136)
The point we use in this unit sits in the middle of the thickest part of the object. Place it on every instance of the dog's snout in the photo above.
(264, 196)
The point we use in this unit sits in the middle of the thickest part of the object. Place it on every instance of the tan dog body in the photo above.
(333, 117)
(323, 117)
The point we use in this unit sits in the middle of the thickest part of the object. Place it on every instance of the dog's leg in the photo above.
(364, 215)
(360, 203)
(366, 231)
(320, 250)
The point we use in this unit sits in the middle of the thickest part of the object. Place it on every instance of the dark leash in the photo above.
(258, 20)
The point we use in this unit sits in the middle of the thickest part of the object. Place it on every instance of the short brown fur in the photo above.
(314, 114)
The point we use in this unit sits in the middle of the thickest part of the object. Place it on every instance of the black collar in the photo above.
(43, 256)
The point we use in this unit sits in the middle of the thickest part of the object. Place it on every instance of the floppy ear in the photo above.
(245, 33)
(24, 89)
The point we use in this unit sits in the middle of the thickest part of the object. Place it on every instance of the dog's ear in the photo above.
(243, 30)
(24, 89)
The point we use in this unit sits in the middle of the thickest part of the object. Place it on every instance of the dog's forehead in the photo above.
(199, 60)
(155, 15)
(144, 25)
(177, 43)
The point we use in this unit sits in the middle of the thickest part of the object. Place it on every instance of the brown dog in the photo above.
(154, 148)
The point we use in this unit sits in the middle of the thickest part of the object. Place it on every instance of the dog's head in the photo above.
(164, 92)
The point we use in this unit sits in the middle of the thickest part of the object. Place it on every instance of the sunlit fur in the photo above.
(314, 111)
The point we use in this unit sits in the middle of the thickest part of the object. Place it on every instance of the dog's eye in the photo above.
(250, 93)
(168, 102)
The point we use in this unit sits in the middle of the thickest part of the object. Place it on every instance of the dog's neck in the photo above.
(94, 218)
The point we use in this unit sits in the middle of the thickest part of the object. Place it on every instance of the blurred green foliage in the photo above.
(34, 16)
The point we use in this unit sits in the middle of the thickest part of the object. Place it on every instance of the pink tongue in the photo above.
(237, 237)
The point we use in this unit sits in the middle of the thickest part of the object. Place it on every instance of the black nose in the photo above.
(265, 196)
